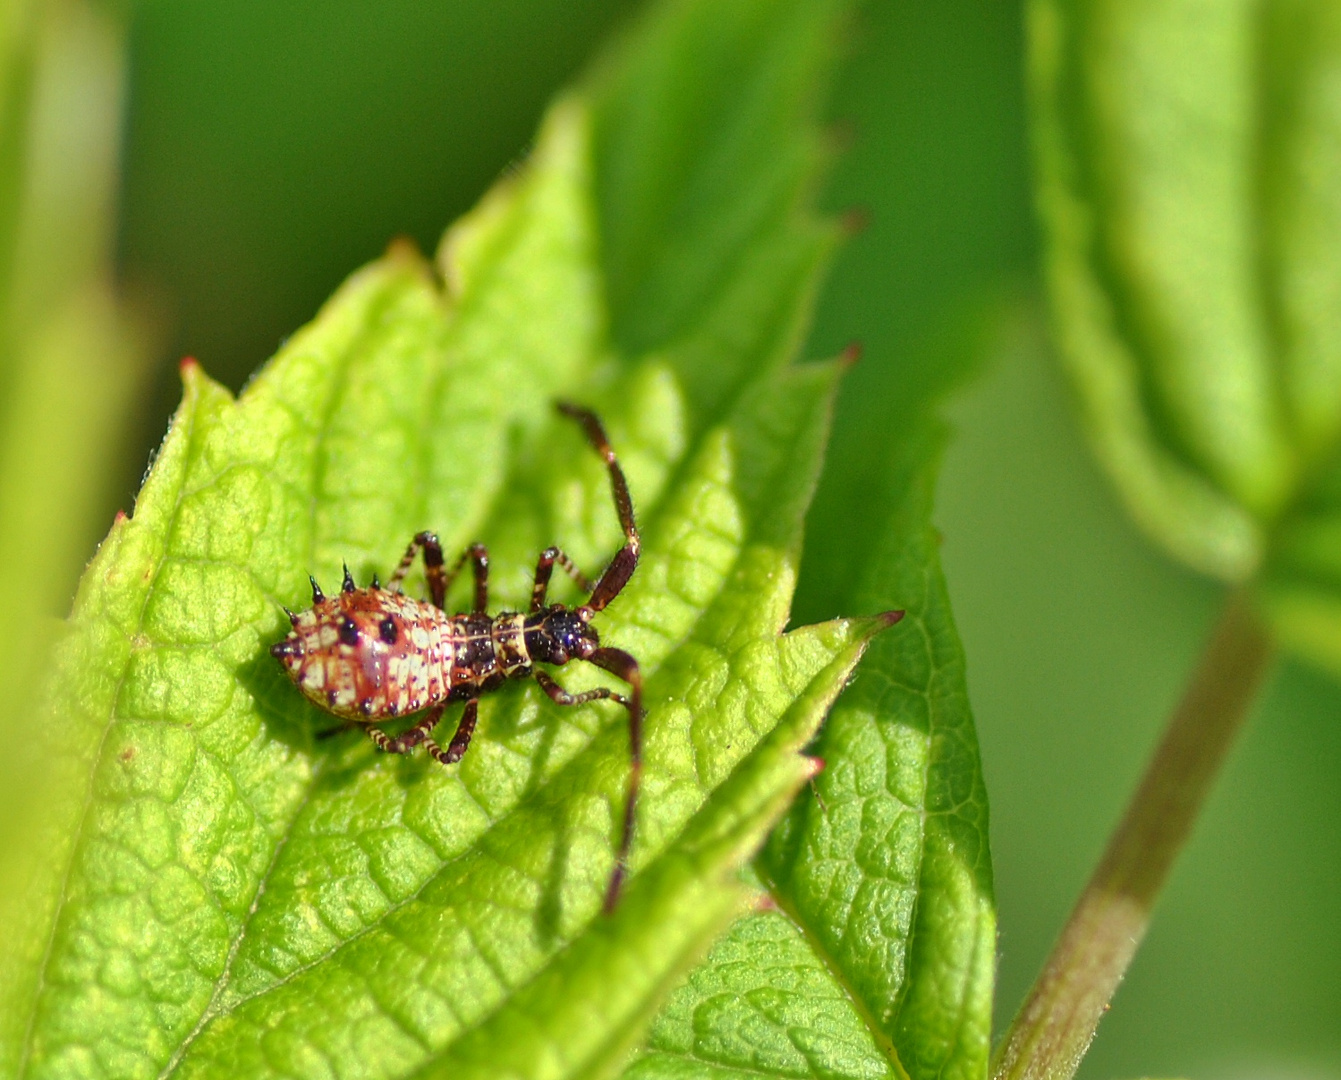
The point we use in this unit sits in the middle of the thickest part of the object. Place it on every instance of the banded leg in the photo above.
(544, 568)
(479, 556)
(437, 582)
(440, 580)
(621, 567)
(407, 740)
(560, 696)
(456, 749)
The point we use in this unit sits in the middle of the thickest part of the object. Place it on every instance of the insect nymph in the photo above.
(375, 654)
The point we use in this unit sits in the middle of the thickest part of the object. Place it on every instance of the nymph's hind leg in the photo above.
(456, 749)
(407, 740)
(412, 737)
(621, 568)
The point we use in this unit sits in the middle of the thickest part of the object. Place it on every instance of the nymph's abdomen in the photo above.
(370, 654)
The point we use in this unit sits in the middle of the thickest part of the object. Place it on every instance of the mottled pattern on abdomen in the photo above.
(373, 672)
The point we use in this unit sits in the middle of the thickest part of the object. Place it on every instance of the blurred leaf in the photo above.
(71, 357)
(68, 358)
(931, 102)
(1190, 180)
(220, 896)
(701, 215)
(272, 147)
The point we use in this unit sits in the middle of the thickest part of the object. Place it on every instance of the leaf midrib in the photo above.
(882, 1041)
(212, 1009)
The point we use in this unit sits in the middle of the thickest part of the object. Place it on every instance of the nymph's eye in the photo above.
(349, 633)
(387, 628)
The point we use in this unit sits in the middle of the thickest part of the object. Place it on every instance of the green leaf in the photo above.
(1189, 162)
(886, 864)
(1301, 583)
(762, 1004)
(562, 1004)
(890, 973)
(885, 960)
(219, 893)
(701, 165)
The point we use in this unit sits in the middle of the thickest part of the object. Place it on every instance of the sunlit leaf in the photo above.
(222, 894)
(762, 1004)
(882, 959)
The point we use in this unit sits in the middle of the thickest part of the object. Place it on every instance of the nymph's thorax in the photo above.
(486, 651)
(371, 653)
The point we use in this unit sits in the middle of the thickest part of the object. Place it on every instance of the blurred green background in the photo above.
(271, 147)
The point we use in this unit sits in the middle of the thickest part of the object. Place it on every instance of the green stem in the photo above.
(1054, 1027)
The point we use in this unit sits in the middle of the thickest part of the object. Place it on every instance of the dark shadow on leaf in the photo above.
(510, 718)
(287, 715)
(413, 769)
(549, 911)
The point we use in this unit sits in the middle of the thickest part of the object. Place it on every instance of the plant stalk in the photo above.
(1056, 1024)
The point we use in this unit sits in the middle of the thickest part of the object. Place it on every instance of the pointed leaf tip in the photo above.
(404, 251)
(867, 626)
